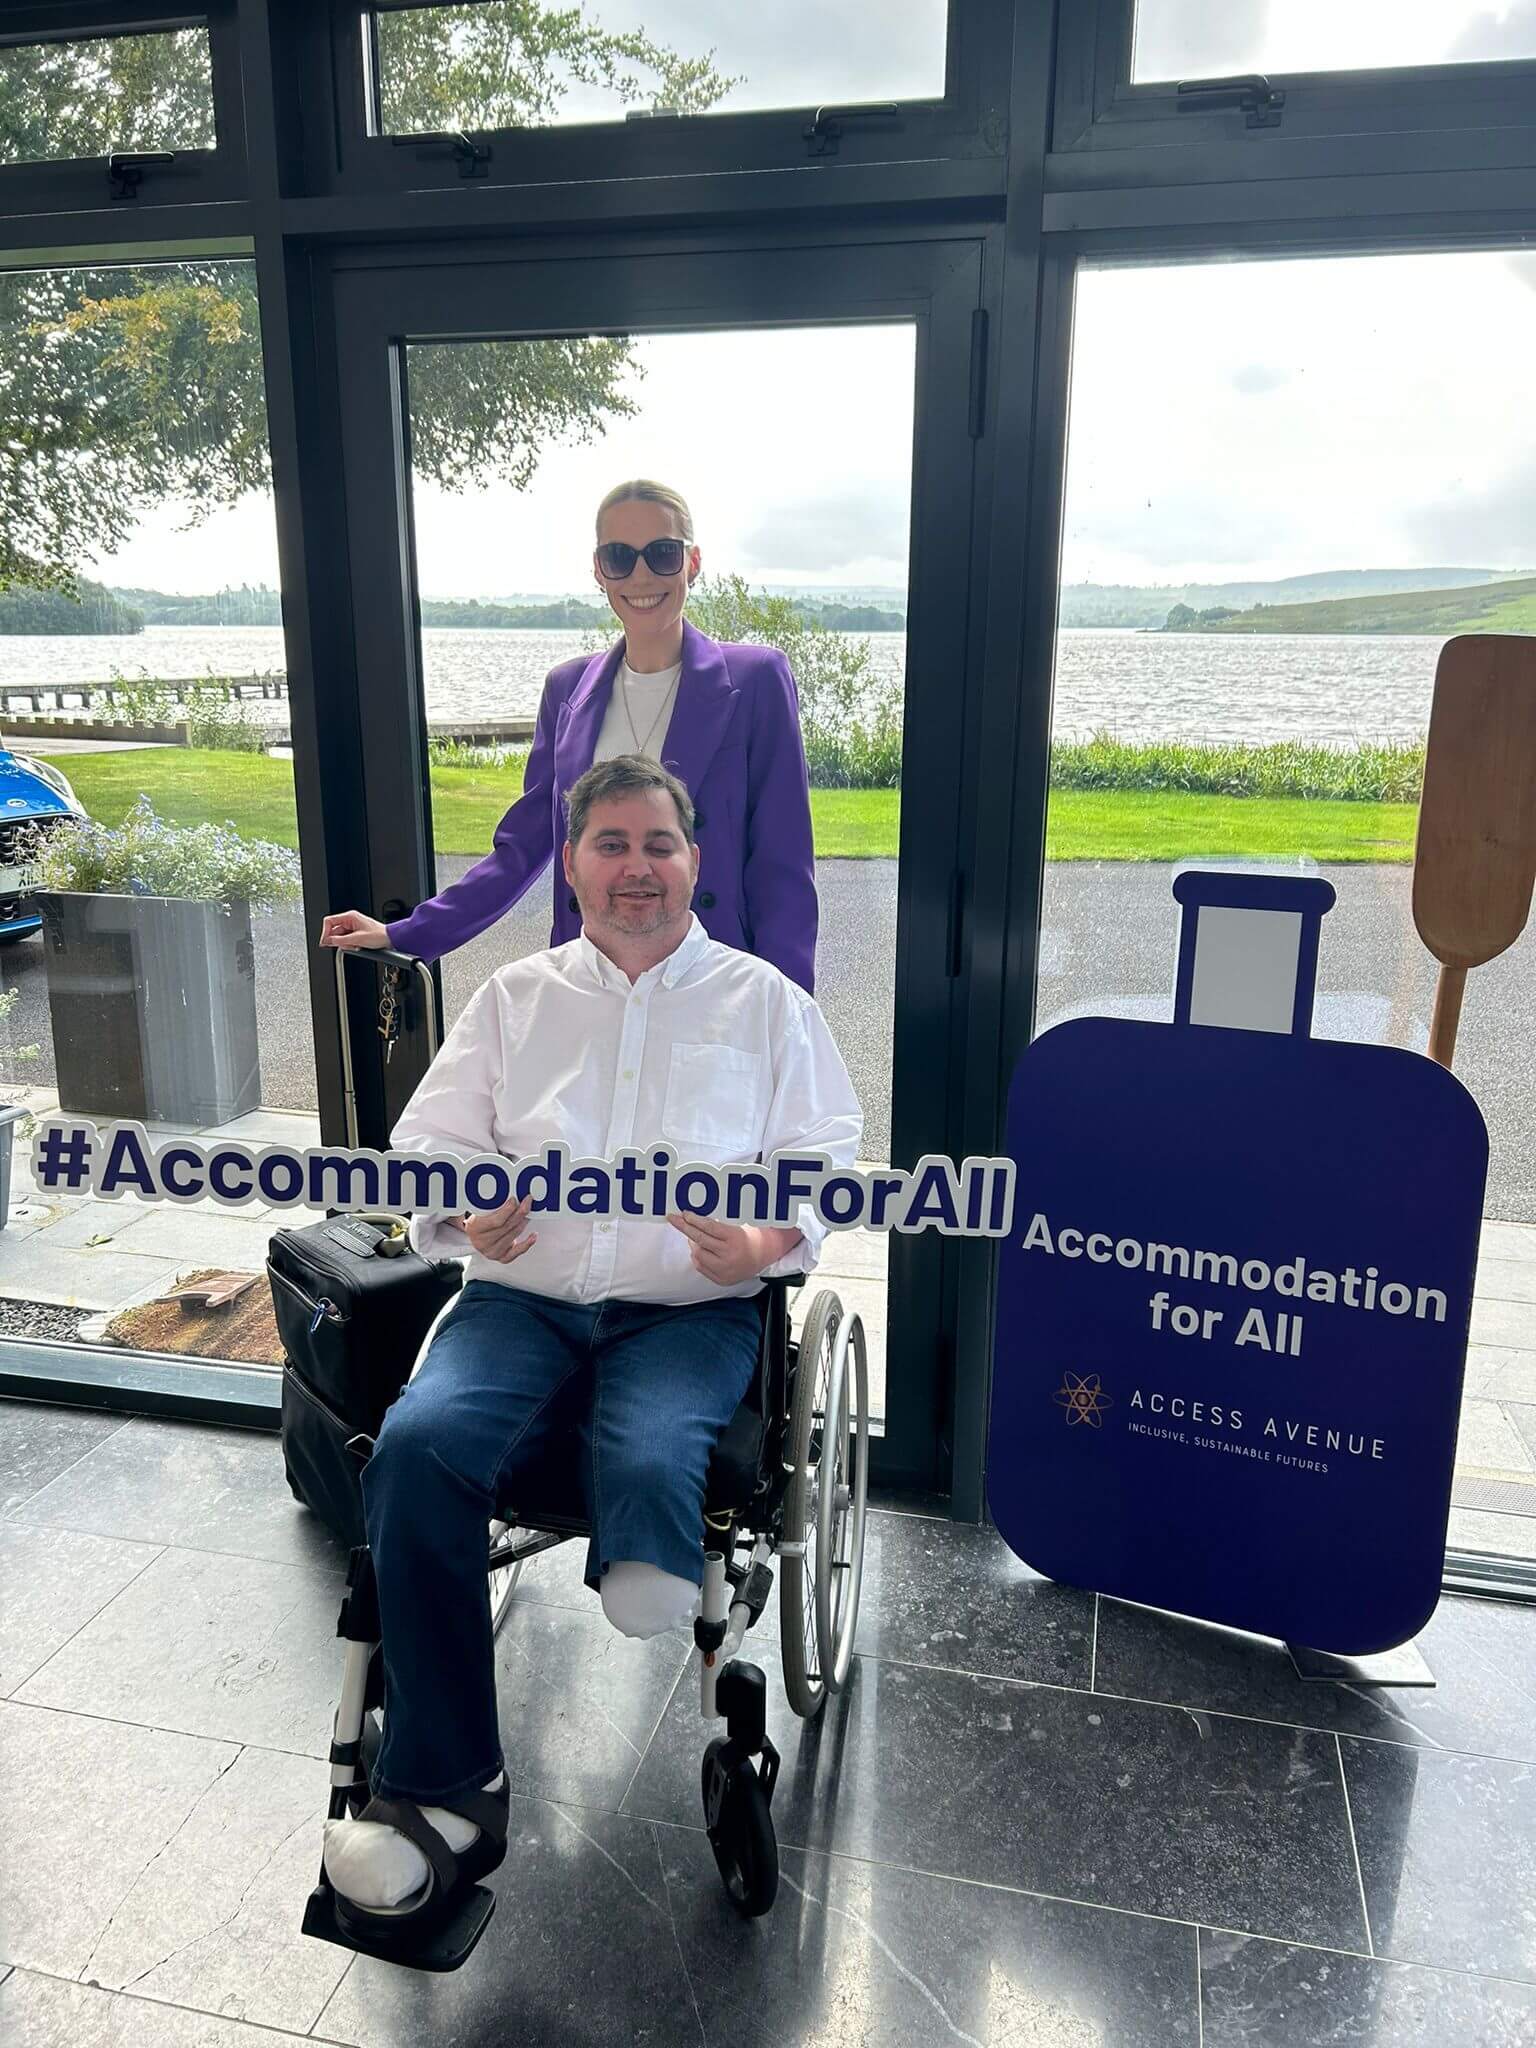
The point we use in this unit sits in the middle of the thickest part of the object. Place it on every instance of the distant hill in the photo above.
(1507, 607)
(95, 610)
(1122, 604)
(259, 606)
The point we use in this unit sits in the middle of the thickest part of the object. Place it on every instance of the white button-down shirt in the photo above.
(712, 1052)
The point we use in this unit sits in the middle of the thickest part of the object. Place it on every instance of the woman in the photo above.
(723, 718)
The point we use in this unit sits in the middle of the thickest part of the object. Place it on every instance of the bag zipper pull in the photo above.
(323, 1308)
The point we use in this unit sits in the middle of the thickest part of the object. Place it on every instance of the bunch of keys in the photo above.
(389, 1013)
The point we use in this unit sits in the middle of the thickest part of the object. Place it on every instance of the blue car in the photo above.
(35, 800)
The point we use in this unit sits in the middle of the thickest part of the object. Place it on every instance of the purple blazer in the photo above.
(734, 741)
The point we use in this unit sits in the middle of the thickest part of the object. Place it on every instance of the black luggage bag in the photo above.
(351, 1321)
(353, 1304)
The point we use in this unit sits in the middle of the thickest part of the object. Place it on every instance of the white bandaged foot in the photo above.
(375, 1865)
(643, 1600)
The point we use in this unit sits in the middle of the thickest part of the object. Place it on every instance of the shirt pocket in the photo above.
(713, 1102)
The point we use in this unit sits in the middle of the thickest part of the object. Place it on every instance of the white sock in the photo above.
(375, 1865)
(643, 1600)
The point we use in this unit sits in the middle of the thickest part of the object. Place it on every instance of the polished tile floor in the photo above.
(1034, 1820)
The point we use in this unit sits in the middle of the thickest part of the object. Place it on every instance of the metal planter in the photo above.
(152, 1004)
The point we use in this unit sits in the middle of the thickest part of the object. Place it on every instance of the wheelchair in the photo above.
(788, 1479)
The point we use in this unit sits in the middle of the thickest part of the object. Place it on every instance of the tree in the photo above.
(120, 389)
(509, 63)
(849, 715)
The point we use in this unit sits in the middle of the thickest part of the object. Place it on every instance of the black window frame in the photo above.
(1408, 118)
(79, 184)
(968, 122)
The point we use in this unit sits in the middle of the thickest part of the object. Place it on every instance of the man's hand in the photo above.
(494, 1232)
(350, 930)
(729, 1253)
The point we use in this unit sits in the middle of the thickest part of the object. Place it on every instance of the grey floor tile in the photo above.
(191, 1484)
(41, 2012)
(1487, 1441)
(934, 1592)
(86, 1279)
(1522, 1418)
(947, 1594)
(866, 1253)
(1153, 1809)
(1500, 1279)
(856, 1952)
(79, 1223)
(580, 1952)
(1508, 1240)
(213, 1922)
(1481, 1653)
(579, 1702)
(554, 1578)
(1513, 1378)
(89, 1805)
(38, 1443)
(199, 1237)
(1501, 1323)
(1447, 1856)
(53, 1585)
(1261, 1994)
(232, 1647)
(1491, 1535)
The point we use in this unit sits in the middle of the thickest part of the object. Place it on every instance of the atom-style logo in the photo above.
(1083, 1398)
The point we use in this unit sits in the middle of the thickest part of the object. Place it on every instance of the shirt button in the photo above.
(571, 903)
(629, 1073)
(707, 900)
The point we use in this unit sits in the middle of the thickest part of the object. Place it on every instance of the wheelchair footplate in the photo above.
(447, 1945)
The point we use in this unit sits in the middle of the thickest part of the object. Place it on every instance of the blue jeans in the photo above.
(511, 1379)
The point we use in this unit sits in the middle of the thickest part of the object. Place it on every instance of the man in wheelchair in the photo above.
(643, 1334)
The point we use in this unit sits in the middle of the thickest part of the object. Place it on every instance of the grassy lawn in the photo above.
(1154, 825)
(191, 787)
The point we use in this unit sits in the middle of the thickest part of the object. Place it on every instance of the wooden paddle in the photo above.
(1475, 861)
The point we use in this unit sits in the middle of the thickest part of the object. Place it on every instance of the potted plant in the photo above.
(14, 1117)
(151, 965)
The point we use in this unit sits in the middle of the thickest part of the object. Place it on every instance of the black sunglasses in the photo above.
(616, 558)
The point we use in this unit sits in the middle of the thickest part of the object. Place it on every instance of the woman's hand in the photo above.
(350, 930)
(494, 1232)
(729, 1253)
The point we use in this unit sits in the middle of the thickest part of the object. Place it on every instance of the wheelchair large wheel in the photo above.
(824, 1505)
(503, 1580)
(740, 1829)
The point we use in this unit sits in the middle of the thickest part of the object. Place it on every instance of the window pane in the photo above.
(1260, 568)
(513, 64)
(509, 594)
(1212, 38)
(60, 100)
(161, 980)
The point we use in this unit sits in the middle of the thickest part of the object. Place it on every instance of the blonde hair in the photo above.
(650, 493)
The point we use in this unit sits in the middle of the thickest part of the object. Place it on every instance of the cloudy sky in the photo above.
(1229, 420)
(1209, 38)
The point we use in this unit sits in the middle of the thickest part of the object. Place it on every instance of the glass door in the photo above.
(812, 407)
(1259, 569)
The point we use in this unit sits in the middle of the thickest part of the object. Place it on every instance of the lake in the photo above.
(1338, 687)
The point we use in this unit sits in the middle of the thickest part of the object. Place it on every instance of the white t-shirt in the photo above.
(642, 697)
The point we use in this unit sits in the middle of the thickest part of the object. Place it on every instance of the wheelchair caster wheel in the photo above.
(740, 1828)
